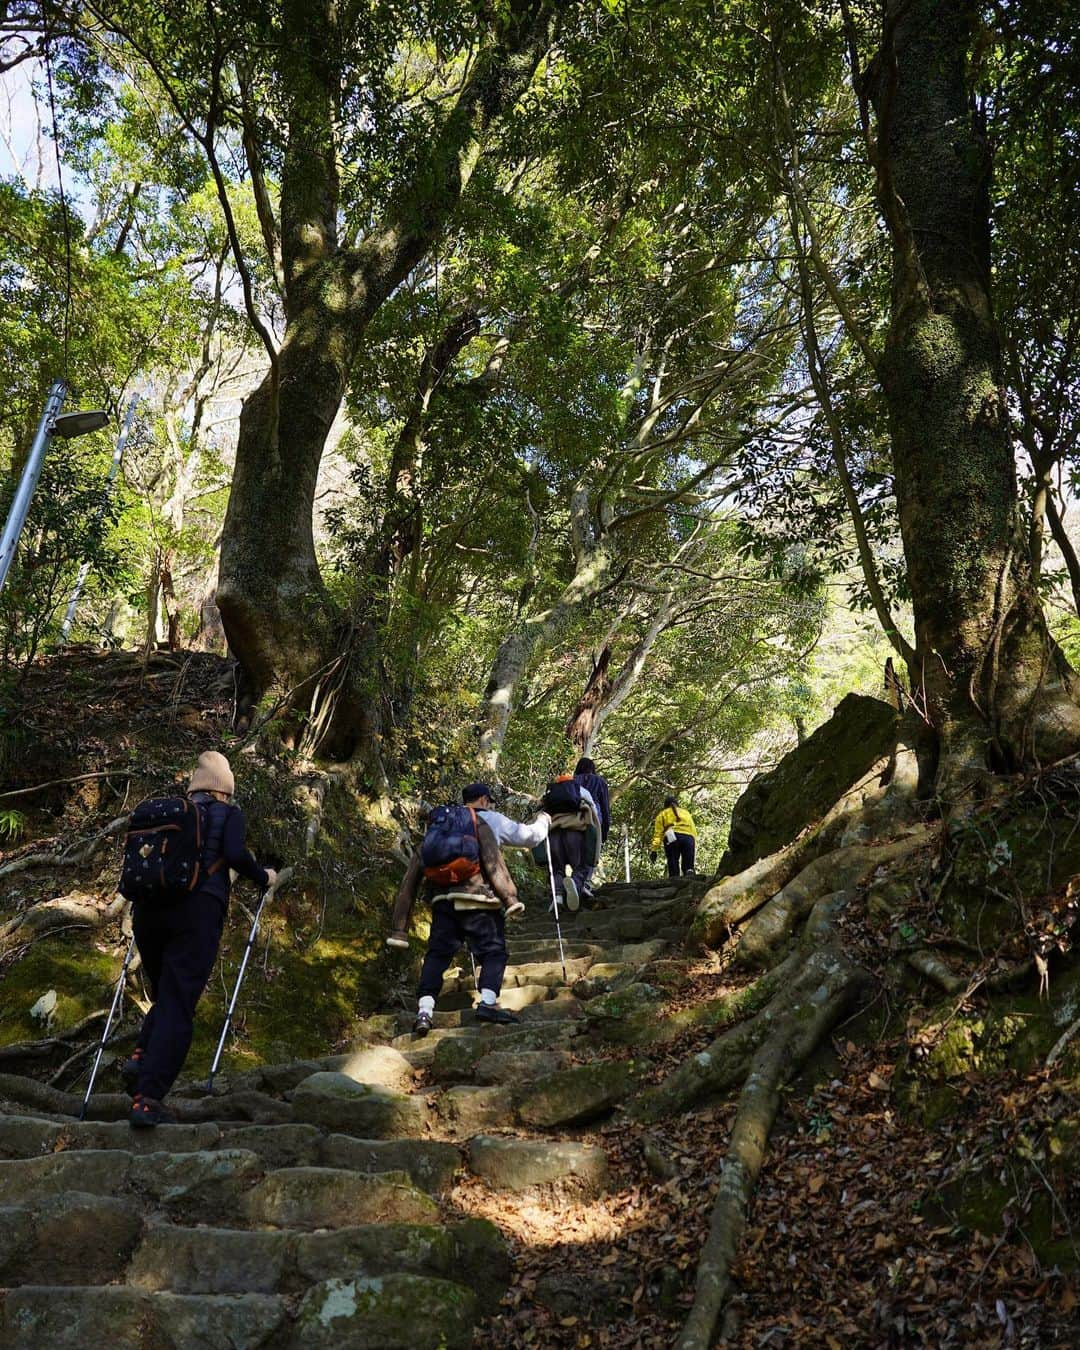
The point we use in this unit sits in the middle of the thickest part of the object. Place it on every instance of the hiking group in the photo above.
(459, 870)
(182, 852)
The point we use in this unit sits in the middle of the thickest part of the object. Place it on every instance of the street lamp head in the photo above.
(79, 423)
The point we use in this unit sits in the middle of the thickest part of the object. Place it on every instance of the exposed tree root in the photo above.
(837, 871)
(827, 988)
(73, 856)
(257, 1107)
(797, 986)
(49, 915)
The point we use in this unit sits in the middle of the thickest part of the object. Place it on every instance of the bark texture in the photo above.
(991, 677)
(275, 611)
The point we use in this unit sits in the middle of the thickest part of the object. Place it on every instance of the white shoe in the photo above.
(573, 900)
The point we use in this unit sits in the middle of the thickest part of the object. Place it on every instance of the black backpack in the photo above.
(563, 797)
(163, 851)
(450, 852)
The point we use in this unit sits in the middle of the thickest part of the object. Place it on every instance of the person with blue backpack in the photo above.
(460, 871)
(176, 872)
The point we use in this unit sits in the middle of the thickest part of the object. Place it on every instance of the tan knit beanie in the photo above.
(212, 774)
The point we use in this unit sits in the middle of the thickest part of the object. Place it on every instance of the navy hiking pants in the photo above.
(178, 945)
(680, 854)
(483, 931)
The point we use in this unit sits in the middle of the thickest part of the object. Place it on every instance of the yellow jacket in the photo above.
(671, 817)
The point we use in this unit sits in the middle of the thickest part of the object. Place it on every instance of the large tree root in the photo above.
(50, 915)
(838, 871)
(804, 1023)
(74, 855)
(797, 986)
(258, 1107)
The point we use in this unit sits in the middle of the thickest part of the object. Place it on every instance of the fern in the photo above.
(12, 824)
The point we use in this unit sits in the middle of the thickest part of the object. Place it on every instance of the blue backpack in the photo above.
(563, 796)
(450, 852)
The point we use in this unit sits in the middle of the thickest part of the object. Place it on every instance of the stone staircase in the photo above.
(310, 1204)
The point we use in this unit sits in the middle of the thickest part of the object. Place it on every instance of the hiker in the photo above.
(178, 939)
(461, 872)
(675, 826)
(597, 788)
(507, 832)
(575, 838)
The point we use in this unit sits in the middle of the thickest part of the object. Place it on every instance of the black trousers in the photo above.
(680, 853)
(178, 945)
(483, 931)
(568, 850)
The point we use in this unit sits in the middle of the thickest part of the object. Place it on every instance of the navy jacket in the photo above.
(598, 788)
(224, 839)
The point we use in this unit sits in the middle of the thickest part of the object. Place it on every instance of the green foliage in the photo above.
(70, 521)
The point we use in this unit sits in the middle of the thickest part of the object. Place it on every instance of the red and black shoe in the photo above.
(146, 1112)
(129, 1070)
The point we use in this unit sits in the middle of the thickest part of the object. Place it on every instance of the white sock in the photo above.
(489, 997)
(426, 1004)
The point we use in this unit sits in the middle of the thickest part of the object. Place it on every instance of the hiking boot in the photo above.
(146, 1112)
(423, 1024)
(573, 899)
(491, 1012)
(129, 1071)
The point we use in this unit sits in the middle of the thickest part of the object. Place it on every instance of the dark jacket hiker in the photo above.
(178, 931)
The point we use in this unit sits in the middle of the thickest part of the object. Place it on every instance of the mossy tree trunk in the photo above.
(995, 685)
(277, 616)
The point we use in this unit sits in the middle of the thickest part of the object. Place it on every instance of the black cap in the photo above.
(475, 790)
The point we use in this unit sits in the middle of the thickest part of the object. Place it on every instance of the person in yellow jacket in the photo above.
(675, 826)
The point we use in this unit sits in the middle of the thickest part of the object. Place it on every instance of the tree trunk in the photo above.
(993, 680)
(520, 646)
(277, 617)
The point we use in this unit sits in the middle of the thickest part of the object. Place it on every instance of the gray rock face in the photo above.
(377, 1065)
(430, 1163)
(465, 1110)
(393, 1312)
(577, 1094)
(93, 1172)
(809, 780)
(206, 1181)
(208, 1260)
(35, 1316)
(340, 1103)
(517, 1164)
(455, 1059)
(517, 1066)
(472, 1253)
(327, 1197)
(71, 1238)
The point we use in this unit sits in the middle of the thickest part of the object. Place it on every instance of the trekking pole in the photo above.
(282, 876)
(108, 1024)
(626, 850)
(555, 906)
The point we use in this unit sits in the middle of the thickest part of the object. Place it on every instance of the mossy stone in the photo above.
(393, 1312)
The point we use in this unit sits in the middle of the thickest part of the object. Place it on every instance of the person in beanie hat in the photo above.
(178, 943)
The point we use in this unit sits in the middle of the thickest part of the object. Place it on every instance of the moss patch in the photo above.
(81, 975)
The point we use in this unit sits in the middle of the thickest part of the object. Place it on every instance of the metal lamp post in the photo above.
(52, 424)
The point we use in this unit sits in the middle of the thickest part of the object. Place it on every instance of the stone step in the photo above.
(514, 997)
(122, 1318)
(518, 1164)
(222, 1184)
(395, 1312)
(430, 1163)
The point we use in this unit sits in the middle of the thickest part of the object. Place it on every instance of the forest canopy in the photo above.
(524, 378)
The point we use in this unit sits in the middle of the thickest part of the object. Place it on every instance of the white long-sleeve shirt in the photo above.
(513, 832)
